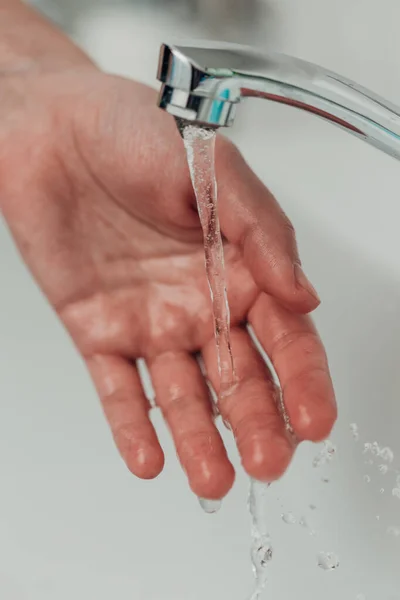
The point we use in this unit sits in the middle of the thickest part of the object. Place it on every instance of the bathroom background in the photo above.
(73, 521)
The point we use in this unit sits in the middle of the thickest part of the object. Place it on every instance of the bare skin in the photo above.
(95, 189)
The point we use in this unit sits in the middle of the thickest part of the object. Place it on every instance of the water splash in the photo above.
(325, 455)
(304, 523)
(261, 548)
(354, 431)
(396, 492)
(367, 479)
(289, 518)
(367, 447)
(387, 454)
(328, 561)
(394, 531)
(375, 449)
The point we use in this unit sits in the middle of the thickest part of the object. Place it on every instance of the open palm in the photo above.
(110, 230)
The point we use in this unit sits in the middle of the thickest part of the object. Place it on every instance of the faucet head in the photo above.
(194, 89)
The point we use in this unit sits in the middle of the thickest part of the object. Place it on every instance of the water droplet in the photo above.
(215, 410)
(227, 424)
(262, 552)
(367, 479)
(313, 507)
(394, 531)
(289, 518)
(383, 469)
(210, 506)
(387, 454)
(304, 523)
(375, 449)
(396, 492)
(367, 447)
(378, 517)
(382, 491)
(328, 561)
(325, 479)
(354, 431)
(325, 455)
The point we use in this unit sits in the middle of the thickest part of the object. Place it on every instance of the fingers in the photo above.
(183, 397)
(127, 411)
(252, 219)
(298, 356)
(251, 410)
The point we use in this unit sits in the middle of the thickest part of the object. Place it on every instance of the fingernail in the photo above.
(304, 283)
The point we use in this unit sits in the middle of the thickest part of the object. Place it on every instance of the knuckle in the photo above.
(125, 435)
(176, 409)
(195, 445)
(288, 227)
(308, 340)
(257, 424)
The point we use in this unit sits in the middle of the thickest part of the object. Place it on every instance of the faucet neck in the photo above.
(205, 84)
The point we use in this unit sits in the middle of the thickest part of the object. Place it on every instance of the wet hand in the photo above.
(95, 188)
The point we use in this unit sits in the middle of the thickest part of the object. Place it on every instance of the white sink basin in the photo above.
(73, 521)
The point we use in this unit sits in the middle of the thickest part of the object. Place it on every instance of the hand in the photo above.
(96, 191)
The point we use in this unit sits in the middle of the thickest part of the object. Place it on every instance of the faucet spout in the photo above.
(205, 84)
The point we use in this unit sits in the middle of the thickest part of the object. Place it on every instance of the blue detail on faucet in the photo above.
(218, 105)
(392, 133)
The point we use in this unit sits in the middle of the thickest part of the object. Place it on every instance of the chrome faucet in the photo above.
(205, 84)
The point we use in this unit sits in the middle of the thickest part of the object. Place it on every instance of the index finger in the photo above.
(252, 219)
(296, 351)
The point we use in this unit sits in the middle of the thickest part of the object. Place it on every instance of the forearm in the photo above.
(39, 68)
(29, 41)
